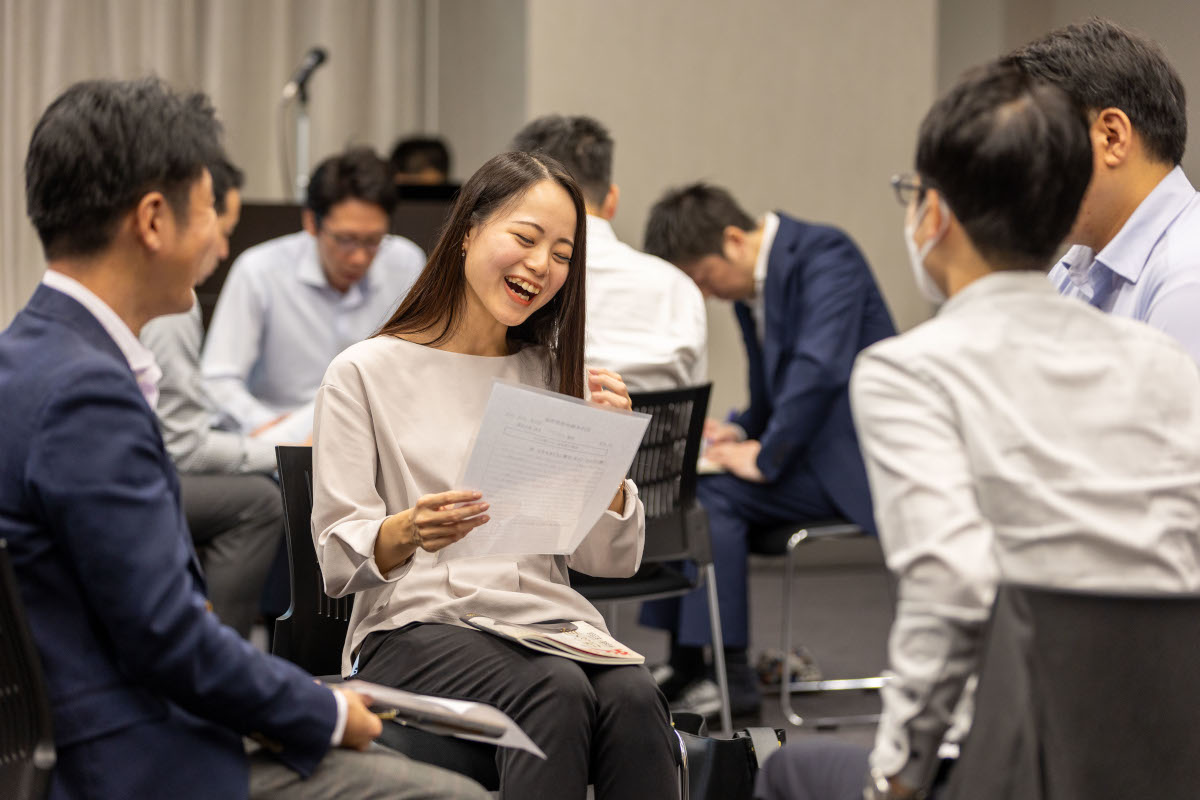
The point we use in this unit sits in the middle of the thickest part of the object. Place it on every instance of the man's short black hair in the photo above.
(416, 153)
(689, 223)
(1103, 65)
(357, 174)
(1012, 157)
(103, 145)
(581, 144)
(225, 176)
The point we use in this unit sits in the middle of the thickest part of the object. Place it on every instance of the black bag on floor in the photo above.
(725, 769)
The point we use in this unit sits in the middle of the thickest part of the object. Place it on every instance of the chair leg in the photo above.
(787, 686)
(684, 789)
(718, 648)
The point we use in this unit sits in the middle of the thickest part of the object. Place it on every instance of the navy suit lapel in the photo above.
(69, 312)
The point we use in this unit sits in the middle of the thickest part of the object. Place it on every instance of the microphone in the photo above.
(313, 59)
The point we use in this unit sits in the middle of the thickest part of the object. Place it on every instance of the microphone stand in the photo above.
(301, 188)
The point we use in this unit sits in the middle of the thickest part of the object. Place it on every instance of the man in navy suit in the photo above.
(151, 695)
(807, 304)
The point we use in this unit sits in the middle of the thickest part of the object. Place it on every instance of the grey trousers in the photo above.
(814, 768)
(236, 523)
(609, 725)
(376, 774)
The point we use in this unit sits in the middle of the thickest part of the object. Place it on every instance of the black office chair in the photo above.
(664, 470)
(26, 740)
(313, 630)
(785, 540)
(1085, 695)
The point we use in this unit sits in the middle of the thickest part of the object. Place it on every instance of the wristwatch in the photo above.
(880, 788)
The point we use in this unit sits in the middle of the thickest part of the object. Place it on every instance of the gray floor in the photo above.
(842, 610)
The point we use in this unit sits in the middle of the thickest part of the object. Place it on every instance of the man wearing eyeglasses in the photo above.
(1017, 437)
(291, 304)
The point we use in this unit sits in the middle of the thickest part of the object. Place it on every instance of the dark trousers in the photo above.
(236, 523)
(734, 507)
(606, 725)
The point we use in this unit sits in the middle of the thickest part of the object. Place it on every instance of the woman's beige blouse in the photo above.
(394, 421)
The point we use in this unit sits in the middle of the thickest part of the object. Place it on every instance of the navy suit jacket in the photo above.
(150, 693)
(821, 307)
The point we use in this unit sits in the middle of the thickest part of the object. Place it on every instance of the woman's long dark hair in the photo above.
(438, 298)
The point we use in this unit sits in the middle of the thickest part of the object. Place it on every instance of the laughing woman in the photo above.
(501, 297)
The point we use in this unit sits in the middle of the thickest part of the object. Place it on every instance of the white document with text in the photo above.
(548, 466)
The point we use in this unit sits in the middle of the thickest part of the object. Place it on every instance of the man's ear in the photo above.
(1112, 136)
(935, 214)
(309, 220)
(150, 220)
(608, 208)
(733, 243)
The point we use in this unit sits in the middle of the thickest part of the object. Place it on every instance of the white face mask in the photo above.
(916, 256)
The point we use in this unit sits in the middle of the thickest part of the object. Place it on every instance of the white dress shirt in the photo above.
(139, 358)
(1024, 437)
(645, 318)
(770, 226)
(278, 323)
(1150, 271)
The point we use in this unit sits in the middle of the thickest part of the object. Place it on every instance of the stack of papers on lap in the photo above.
(576, 640)
(462, 719)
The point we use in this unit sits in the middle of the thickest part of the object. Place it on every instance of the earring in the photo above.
(464, 254)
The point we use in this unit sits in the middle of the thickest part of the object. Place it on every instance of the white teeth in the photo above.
(529, 288)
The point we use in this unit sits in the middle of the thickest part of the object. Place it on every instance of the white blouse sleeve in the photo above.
(347, 508)
(613, 547)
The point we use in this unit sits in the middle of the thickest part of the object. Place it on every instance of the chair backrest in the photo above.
(26, 739)
(664, 468)
(1085, 695)
(313, 629)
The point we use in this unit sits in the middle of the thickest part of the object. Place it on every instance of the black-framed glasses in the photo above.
(908, 187)
(348, 242)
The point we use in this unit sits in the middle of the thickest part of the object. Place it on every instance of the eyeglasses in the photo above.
(907, 187)
(348, 242)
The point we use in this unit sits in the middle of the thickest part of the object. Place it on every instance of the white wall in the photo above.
(807, 107)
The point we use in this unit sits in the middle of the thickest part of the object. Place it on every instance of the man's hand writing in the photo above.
(717, 432)
(738, 458)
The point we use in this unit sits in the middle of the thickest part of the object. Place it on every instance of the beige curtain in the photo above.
(241, 52)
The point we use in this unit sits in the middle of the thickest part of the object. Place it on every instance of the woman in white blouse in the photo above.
(501, 297)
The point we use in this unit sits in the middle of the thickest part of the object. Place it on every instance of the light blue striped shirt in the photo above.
(1150, 271)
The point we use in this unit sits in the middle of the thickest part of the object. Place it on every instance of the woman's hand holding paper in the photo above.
(436, 521)
(608, 389)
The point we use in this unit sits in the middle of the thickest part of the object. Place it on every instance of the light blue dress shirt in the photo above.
(278, 323)
(1150, 271)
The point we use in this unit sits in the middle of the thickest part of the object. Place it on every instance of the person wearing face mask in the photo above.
(807, 303)
(987, 430)
(502, 297)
